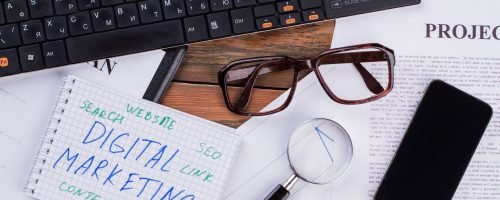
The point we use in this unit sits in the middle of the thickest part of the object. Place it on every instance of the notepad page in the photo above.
(104, 145)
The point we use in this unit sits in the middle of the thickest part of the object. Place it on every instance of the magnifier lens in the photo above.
(319, 151)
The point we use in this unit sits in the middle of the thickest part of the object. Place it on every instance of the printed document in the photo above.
(455, 41)
(27, 101)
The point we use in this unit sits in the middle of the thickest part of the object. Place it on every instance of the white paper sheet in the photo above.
(376, 128)
(149, 152)
(27, 101)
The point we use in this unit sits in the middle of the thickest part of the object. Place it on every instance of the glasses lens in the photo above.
(252, 85)
(355, 75)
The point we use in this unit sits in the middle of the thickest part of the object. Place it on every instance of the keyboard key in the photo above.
(266, 1)
(63, 7)
(88, 4)
(2, 19)
(126, 15)
(15, 10)
(313, 15)
(218, 5)
(196, 7)
(9, 36)
(31, 58)
(287, 6)
(54, 53)
(219, 24)
(40, 8)
(243, 20)
(196, 28)
(290, 19)
(242, 3)
(103, 19)
(32, 31)
(173, 9)
(111, 2)
(150, 11)
(332, 7)
(265, 10)
(119, 42)
(9, 64)
(307, 4)
(55, 27)
(79, 23)
(267, 23)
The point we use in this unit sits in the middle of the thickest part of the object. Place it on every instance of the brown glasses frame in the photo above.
(300, 65)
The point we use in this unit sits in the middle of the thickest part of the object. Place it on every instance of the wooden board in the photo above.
(195, 89)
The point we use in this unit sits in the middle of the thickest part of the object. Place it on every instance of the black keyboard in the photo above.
(39, 34)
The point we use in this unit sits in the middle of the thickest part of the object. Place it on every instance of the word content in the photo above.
(78, 192)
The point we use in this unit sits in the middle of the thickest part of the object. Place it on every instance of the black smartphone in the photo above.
(437, 146)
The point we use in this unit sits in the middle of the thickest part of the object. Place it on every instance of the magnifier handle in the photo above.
(279, 193)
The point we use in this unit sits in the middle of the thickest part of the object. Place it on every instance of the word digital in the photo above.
(103, 145)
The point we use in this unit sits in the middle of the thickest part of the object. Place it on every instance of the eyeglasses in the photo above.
(349, 75)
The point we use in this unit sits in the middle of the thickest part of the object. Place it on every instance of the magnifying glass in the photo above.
(319, 151)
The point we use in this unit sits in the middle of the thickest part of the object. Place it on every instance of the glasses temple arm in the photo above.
(238, 74)
(370, 81)
(356, 58)
(244, 98)
(265, 68)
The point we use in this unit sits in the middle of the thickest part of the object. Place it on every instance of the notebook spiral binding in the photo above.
(48, 140)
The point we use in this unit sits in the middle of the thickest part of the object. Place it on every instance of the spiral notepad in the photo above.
(104, 145)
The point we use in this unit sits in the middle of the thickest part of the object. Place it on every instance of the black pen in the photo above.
(165, 73)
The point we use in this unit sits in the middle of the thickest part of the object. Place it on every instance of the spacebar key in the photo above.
(125, 41)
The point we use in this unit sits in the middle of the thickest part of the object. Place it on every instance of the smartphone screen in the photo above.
(437, 147)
